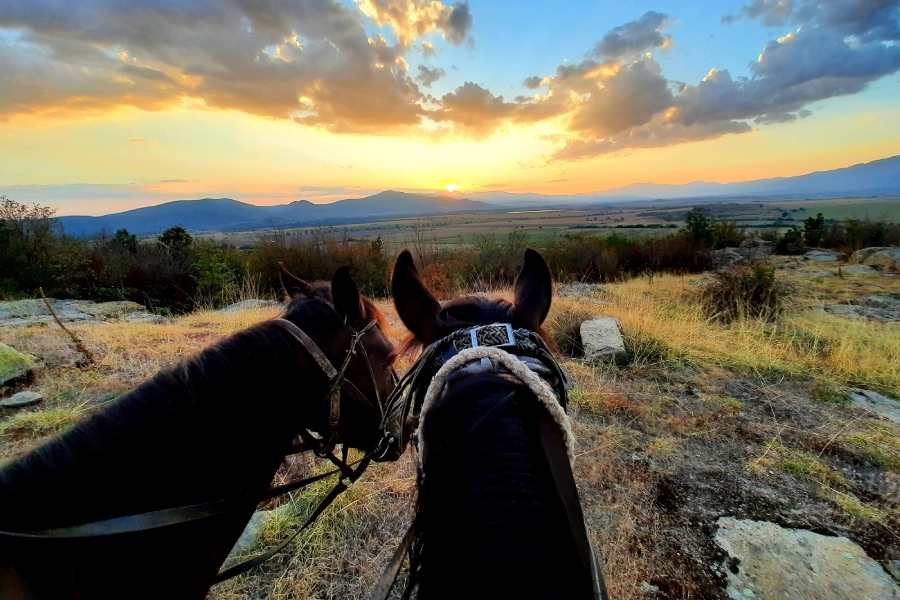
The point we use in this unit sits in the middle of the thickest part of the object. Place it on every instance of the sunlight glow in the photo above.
(451, 187)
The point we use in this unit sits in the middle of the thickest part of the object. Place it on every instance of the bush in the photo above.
(791, 242)
(744, 291)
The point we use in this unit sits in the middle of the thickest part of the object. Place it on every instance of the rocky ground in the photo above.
(746, 461)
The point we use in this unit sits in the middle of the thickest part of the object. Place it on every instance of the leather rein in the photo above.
(530, 349)
(322, 447)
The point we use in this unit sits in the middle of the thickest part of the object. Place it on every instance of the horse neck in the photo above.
(214, 426)
(488, 507)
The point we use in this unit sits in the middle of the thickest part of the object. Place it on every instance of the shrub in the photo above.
(744, 291)
(791, 242)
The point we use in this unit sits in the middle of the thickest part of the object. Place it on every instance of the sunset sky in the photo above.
(107, 106)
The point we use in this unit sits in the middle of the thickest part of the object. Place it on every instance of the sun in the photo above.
(451, 187)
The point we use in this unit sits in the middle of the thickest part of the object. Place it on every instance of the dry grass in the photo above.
(705, 420)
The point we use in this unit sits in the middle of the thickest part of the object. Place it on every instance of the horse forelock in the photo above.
(469, 311)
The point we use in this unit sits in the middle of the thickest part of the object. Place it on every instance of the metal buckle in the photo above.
(511, 340)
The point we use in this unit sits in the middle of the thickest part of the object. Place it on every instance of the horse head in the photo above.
(369, 373)
(429, 321)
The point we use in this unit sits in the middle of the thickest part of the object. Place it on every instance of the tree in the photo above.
(125, 240)
(814, 230)
(699, 227)
(175, 239)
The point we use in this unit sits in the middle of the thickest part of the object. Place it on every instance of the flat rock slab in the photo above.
(876, 403)
(252, 304)
(602, 340)
(578, 289)
(858, 270)
(823, 255)
(21, 399)
(27, 313)
(775, 562)
(15, 366)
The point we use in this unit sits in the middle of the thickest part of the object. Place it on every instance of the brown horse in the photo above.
(497, 513)
(217, 426)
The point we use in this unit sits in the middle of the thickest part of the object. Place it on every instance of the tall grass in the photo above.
(667, 313)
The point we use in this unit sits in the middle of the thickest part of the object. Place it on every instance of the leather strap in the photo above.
(554, 449)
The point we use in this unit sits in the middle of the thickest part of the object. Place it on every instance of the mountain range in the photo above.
(877, 178)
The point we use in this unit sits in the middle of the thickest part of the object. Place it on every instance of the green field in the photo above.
(628, 219)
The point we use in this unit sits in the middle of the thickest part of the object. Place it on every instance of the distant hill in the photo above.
(225, 214)
(876, 178)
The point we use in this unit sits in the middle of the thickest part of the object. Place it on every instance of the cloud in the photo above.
(142, 141)
(616, 100)
(475, 112)
(428, 76)
(412, 19)
(533, 83)
(634, 37)
(309, 61)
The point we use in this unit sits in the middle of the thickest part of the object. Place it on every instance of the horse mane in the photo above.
(469, 311)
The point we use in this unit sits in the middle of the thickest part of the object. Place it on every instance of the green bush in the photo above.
(744, 291)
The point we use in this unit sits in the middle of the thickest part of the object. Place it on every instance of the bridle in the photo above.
(323, 447)
(518, 354)
(336, 382)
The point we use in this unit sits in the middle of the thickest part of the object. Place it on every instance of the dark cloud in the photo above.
(533, 83)
(771, 12)
(457, 23)
(428, 76)
(634, 37)
(475, 112)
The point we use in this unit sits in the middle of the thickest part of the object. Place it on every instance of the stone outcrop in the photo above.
(602, 340)
(774, 562)
(824, 255)
(27, 313)
(15, 367)
(879, 256)
(873, 308)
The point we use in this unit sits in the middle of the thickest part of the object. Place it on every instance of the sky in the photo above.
(107, 106)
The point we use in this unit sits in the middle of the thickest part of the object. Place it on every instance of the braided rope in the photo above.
(531, 380)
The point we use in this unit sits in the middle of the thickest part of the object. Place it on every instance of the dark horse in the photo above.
(216, 426)
(491, 521)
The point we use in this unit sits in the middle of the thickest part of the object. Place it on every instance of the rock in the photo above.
(857, 270)
(578, 289)
(15, 367)
(824, 255)
(727, 257)
(21, 399)
(602, 340)
(251, 532)
(816, 273)
(886, 302)
(893, 567)
(876, 403)
(775, 562)
(252, 304)
(854, 311)
(879, 256)
(28, 313)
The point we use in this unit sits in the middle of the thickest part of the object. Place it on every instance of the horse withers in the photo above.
(497, 514)
(217, 426)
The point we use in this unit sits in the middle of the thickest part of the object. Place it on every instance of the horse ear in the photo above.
(296, 283)
(533, 292)
(345, 295)
(415, 305)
